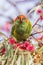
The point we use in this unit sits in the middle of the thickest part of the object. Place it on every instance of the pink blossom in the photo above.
(3, 51)
(40, 38)
(22, 47)
(26, 43)
(30, 48)
(41, 17)
(25, 46)
(39, 11)
(12, 41)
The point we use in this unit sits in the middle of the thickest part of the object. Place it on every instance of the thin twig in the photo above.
(36, 22)
(36, 33)
(14, 5)
(34, 8)
(8, 18)
(23, 1)
(2, 34)
(39, 41)
(39, 25)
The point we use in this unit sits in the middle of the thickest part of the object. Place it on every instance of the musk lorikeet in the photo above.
(21, 28)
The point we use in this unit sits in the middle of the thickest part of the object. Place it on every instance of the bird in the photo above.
(21, 28)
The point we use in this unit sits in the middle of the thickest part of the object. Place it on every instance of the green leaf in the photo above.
(22, 59)
(7, 61)
(15, 57)
(41, 63)
(40, 51)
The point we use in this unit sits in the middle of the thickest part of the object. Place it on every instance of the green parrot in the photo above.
(21, 28)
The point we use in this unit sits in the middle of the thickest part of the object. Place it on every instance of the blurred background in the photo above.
(10, 9)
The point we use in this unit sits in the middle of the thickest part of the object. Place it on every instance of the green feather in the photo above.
(21, 31)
